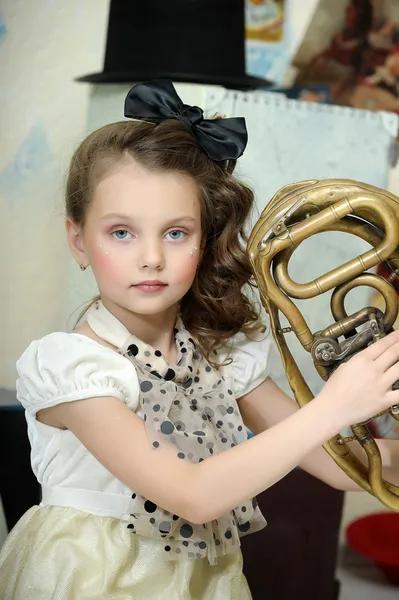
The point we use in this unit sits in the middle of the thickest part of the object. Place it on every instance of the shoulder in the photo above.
(70, 366)
(248, 358)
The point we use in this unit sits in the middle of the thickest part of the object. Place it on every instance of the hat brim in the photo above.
(235, 82)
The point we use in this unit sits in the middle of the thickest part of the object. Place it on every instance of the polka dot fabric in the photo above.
(190, 407)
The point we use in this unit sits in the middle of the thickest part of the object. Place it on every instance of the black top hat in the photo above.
(194, 41)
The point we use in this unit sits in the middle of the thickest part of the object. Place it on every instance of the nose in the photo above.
(151, 254)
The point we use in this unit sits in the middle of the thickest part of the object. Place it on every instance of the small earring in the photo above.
(82, 267)
(192, 252)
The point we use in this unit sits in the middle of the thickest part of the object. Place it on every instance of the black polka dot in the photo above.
(196, 379)
(156, 374)
(200, 440)
(254, 502)
(181, 455)
(155, 444)
(133, 496)
(202, 545)
(244, 509)
(149, 506)
(148, 365)
(244, 527)
(168, 548)
(130, 526)
(217, 542)
(167, 427)
(230, 392)
(183, 350)
(239, 428)
(158, 353)
(230, 410)
(146, 386)
(190, 368)
(224, 440)
(170, 374)
(188, 383)
(208, 369)
(186, 531)
(133, 350)
(228, 535)
(176, 402)
(185, 544)
(175, 517)
(152, 521)
(156, 407)
(200, 460)
(163, 391)
(219, 424)
(199, 433)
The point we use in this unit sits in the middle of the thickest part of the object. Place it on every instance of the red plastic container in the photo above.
(376, 536)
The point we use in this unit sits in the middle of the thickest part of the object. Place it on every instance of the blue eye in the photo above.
(176, 234)
(121, 234)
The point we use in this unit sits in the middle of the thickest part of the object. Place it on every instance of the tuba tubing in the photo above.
(295, 213)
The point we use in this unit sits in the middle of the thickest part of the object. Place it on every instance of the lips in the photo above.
(150, 286)
(153, 282)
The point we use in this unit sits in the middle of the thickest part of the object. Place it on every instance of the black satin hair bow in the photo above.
(156, 101)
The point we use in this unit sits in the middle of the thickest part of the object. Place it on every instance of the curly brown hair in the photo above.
(216, 307)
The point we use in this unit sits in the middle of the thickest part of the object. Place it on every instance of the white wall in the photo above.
(43, 115)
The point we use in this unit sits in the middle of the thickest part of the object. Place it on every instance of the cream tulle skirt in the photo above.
(58, 553)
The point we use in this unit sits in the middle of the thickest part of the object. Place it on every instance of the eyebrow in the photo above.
(122, 217)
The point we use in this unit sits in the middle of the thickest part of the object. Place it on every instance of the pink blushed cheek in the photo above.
(186, 268)
(106, 266)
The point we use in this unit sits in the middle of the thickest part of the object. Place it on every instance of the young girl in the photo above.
(137, 418)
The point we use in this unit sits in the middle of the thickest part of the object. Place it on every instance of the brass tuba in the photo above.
(295, 213)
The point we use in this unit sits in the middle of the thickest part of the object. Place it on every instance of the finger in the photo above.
(392, 375)
(388, 358)
(375, 350)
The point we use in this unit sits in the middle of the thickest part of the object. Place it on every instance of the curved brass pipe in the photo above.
(369, 280)
(353, 267)
(295, 213)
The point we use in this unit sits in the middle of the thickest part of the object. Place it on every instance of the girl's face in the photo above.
(142, 238)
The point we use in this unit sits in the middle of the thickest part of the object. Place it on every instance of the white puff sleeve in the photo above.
(63, 367)
(249, 361)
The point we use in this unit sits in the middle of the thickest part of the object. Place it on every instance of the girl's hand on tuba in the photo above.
(362, 387)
